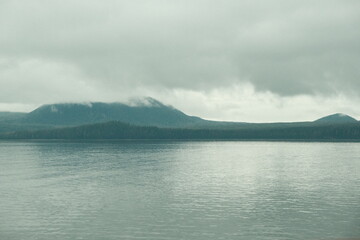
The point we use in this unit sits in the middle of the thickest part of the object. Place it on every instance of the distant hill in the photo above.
(145, 112)
(149, 112)
(119, 130)
(336, 118)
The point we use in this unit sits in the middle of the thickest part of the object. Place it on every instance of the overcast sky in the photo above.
(241, 60)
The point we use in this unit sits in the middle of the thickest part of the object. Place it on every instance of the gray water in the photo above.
(179, 190)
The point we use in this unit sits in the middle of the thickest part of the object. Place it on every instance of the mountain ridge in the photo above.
(150, 112)
(140, 112)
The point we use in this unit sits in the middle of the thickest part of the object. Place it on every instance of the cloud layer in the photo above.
(75, 50)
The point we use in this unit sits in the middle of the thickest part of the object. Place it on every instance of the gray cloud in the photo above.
(73, 49)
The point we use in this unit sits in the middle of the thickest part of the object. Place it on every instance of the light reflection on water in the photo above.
(179, 190)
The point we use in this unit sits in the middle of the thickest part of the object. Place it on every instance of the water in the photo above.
(179, 190)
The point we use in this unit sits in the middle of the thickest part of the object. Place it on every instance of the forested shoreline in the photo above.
(119, 130)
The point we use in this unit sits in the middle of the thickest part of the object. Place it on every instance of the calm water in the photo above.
(179, 190)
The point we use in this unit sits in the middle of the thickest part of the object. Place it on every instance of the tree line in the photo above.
(119, 130)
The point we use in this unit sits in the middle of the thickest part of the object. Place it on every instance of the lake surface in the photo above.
(179, 190)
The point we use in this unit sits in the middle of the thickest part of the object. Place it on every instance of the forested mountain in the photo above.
(145, 112)
(148, 112)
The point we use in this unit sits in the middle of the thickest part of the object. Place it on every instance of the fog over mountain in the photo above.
(254, 61)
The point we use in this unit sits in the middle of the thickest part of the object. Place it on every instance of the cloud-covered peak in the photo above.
(144, 102)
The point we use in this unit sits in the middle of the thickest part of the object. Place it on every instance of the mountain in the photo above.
(148, 112)
(337, 118)
(119, 130)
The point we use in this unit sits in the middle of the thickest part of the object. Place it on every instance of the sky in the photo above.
(234, 60)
